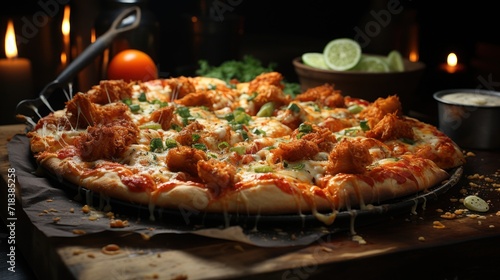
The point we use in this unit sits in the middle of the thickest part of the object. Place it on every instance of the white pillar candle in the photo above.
(16, 81)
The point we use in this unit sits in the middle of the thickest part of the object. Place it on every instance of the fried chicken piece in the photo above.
(349, 157)
(322, 137)
(295, 150)
(180, 86)
(391, 127)
(82, 112)
(381, 107)
(199, 98)
(266, 79)
(335, 124)
(107, 141)
(185, 136)
(325, 95)
(109, 91)
(218, 175)
(185, 159)
(163, 116)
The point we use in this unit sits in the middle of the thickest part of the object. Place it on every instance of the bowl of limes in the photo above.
(368, 76)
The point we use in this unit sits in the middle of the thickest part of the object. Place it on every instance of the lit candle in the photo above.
(452, 66)
(15, 77)
(65, 29)
(413, 55)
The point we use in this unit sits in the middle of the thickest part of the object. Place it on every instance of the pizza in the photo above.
(202, 143)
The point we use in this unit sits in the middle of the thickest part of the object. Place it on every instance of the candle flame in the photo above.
(10, 41)
(452, 60)
(64, 58)
(65, 27)
(92, 35)
(413, 57)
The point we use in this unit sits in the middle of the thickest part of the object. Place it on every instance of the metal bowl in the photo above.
(470, 124)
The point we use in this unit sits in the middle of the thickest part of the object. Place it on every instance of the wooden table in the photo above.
(404, 245)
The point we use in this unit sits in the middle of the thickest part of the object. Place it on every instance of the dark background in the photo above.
(276, 32)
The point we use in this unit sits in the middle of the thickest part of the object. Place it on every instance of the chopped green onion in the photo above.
(298, 166)
(212, 155)
(223, 145)
(243, 133)
(170, 143)
(351, 131)
(408, 141)
(161, 103)
(241, 117)
(263, 169)
(176, 127)
(156, 145)
(127, 101)
(266, 110)
(134, 107)
(236, 127)
(238, 109)
(200, 146)
(150, 125)
(240, 150)
(305, 128)
(364, 125)
(354, 109)
(252, 97)
(183, 112)
(229, 117)
(294, 108)
(258, 131)
(142, 97)
(316, 107)
(195, 137)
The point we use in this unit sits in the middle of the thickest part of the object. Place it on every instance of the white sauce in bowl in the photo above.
(474, 99)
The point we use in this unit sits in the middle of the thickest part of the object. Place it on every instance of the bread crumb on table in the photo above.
(111, 249)
(438, 225)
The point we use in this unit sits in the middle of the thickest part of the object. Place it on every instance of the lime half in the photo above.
(395, 61)
(372, 63)
(342, 54)
(316, 60)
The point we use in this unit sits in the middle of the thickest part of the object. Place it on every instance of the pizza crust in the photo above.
(342, 191)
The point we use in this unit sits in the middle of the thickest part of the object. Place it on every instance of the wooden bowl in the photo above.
(365, 85)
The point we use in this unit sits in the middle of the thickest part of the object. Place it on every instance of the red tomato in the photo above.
(132, 65)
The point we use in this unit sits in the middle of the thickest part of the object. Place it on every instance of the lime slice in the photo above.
(316, 60)
(372, 63)
(342, 54)
(395, 61)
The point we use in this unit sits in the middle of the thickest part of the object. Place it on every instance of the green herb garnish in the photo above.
(156, 145)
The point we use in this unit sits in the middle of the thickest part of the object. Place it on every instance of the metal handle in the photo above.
(127, 20)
